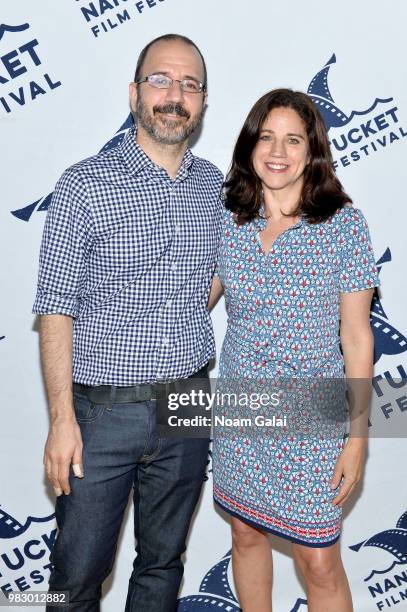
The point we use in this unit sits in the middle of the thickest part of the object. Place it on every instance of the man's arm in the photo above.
(65, 243)
(64, 442)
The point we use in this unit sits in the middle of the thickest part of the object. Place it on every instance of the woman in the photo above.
(297, 269)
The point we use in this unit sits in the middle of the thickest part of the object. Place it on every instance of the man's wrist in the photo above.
(62, 416)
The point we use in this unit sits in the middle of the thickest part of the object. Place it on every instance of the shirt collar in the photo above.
(136, 159)
(260, 221)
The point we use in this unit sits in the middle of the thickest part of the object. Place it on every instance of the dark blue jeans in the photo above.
(121, 452)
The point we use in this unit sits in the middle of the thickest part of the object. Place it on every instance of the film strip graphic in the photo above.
(12, 528)
(387, 339)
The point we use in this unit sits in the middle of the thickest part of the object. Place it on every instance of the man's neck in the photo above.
(168, 157)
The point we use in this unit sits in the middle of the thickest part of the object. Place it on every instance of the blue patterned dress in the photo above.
(283, 321)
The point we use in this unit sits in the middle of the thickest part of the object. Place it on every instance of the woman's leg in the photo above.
(252, 567)
(326, 581)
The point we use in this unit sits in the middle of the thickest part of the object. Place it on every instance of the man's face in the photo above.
(169, 116)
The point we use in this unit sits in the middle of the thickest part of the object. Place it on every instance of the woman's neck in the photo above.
(279, 203)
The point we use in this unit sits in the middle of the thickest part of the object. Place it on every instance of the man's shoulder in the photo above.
(208, 169)
(93, 166)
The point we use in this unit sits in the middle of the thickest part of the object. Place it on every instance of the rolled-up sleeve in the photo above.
(65, 247)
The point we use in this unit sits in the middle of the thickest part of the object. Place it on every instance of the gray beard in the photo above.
(166, 132)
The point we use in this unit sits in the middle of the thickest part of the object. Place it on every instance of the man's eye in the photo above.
(190, 86)
(160, 79)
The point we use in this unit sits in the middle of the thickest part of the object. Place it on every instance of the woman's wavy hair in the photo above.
(322, 193)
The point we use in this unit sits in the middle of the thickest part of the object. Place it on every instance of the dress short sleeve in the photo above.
(358, 269)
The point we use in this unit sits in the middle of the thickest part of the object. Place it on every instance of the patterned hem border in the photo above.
(315, 538)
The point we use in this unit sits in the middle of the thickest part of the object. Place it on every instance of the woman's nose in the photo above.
(277, 148)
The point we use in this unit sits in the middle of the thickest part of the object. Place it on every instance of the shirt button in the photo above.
(166, 341)
(168, 303)
(177, 228)
(174, 267)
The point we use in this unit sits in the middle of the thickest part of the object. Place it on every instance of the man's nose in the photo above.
(174, 92)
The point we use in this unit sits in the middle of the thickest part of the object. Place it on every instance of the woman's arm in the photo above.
(216, 292)
(357, 346)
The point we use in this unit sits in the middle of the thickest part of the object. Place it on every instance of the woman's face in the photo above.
(281, 153)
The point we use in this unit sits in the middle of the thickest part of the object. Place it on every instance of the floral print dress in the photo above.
(283, 323)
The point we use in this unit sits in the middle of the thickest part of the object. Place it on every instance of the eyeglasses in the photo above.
(162, 81)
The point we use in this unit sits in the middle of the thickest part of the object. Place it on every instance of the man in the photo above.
(126, 262)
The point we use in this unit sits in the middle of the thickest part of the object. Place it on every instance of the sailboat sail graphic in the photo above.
(215, 593)
(24, 214)
(321, 96)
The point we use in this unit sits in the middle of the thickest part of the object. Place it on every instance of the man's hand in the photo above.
(63, 448)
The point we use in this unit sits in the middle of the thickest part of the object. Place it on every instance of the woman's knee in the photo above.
(246, 536)
(319, 568)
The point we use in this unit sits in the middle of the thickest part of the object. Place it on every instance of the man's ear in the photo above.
(133, 93)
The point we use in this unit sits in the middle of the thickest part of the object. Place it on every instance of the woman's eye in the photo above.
(293, 141)
(265, 137)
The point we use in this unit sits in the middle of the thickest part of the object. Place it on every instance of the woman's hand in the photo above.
(349, 467)
(216, 292)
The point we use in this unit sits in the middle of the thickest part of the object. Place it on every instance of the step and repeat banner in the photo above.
(64, 73)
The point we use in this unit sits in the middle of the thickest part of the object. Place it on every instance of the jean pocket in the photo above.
(85, 410)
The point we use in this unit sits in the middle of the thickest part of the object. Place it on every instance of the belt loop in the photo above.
(112, 398)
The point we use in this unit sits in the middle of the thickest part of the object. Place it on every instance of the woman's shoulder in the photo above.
(346, 217)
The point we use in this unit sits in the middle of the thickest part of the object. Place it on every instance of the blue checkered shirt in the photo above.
(129, 253)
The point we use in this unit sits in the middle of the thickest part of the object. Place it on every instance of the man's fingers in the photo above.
(54, 479)
(63, 476)
(63, 448)
(77, 470)
(47, 467)
(58, 475)
(77, 465)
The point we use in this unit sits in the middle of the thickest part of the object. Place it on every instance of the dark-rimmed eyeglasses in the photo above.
(162, 81)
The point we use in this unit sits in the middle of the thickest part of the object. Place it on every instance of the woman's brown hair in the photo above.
(322, 193)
